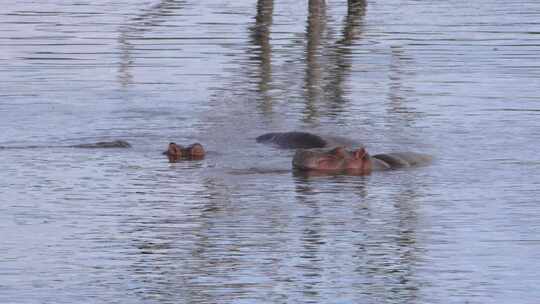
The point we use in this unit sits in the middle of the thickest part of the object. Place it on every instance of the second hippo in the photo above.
(177, 152)
(354, 162)
(301, 140)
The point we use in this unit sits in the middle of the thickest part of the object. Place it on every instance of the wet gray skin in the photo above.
(105, 144)
(399, 160)
(293, 140)
(97, 145)
(303, 140)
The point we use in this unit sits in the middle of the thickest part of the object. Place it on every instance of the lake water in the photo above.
(459, 80)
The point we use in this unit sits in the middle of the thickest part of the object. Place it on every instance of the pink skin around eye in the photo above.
(328, 163)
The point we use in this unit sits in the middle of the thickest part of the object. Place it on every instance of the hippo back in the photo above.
(105, 144)
(293, 140)
(403, 159)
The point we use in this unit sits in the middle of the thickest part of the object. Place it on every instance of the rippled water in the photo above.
(459, 80)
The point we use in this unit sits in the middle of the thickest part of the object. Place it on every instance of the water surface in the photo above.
(458, 80)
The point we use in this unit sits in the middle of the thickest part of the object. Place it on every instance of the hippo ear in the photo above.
(339, 151)
(175, 149)
(196, 149)
(359, 153)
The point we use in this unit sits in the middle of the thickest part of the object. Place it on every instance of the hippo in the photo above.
(104, 144)
(101, 144)
(301, 140)
(177, 152)
(354, 162)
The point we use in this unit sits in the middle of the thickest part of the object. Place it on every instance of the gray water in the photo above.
(459, 80)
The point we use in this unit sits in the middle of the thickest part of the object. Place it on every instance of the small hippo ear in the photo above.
(339, 151)
(174, 149)
(359, 153)
(175, 146)
(196, 149)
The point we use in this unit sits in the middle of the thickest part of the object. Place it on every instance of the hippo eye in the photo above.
(326, 163)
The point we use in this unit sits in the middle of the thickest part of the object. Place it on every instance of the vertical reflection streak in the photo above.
(397, 93)
(328, 65)
(316, 25)
(134, 28)
(342, 55)
(260, 38)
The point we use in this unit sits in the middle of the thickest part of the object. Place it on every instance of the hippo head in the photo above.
(177, 152)
(336, 160)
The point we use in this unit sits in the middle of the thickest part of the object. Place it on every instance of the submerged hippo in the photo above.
(301, 140)
(105, 144)
(354, 162)
(101, 144)
(177, 152)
